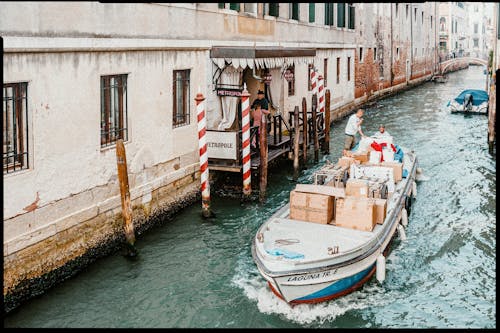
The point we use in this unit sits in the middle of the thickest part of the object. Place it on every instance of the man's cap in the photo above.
(260, 92)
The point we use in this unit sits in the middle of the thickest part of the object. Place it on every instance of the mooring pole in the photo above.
(326, 143)
(263, 157)
(315, 128)
(304, 131)
(245, 138)
(202, 144)
(296, 144)
(128, 226)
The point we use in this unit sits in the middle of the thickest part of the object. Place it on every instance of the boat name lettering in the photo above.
(311, 276)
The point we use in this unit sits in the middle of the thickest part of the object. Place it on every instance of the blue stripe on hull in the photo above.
(337, 286)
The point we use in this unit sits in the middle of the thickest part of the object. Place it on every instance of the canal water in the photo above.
(196, 273)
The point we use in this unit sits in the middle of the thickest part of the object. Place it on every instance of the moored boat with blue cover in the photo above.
(470, 101)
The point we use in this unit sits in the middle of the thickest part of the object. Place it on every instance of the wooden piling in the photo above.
(304, 132)
(326, 142)
(296, 144)
(263, 157)
(128, 226)
(315, 128)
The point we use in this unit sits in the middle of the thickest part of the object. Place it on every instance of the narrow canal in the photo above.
(195, 273)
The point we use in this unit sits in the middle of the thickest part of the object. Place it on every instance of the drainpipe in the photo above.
(411, 41)
(391, 48)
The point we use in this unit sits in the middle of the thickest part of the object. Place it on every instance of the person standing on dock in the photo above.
(256, 116)
(261, 99)
(353, 126)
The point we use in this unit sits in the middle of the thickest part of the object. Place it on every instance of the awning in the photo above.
(260, 57)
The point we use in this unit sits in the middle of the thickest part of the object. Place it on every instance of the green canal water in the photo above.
(196, 273)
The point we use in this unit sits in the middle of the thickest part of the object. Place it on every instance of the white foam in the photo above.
(255, 288)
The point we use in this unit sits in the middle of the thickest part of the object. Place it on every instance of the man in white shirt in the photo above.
(353, 126)
(381, 132)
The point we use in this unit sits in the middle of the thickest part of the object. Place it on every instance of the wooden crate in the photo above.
(355, 213)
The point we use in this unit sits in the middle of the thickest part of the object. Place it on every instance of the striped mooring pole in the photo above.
(314, 81)
(321, 94)
(245, 129)
(202, 142)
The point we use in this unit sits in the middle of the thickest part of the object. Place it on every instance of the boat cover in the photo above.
(478, 96)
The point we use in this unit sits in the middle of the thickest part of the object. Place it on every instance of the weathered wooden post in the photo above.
(202, 144)
(296, 144)
(326, 143)
(263, 157)
(304, 131)
(245, 138)
(315, 127)
(121, 161)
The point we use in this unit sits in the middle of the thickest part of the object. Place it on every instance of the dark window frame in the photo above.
(329, 17)
(273, 9)
(15, 143)
(348, 69)
(338, 70)
(291, 84)
(294, 11)
(309, 84)
(114, 118)
(351, 15)
(312, 12)
(235, 6)
(341, 15)
(325, 71)
(182, 118)
(360, 55)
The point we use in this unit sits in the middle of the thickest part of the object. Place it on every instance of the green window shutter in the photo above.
(274, 9)
(351, 17)
(221, 5)
(341, 14)
(295, 11)
(234, 6)
(312, 12)
(328, 14)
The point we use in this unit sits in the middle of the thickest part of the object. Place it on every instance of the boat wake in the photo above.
(256, 289)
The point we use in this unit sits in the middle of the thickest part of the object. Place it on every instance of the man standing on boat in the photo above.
(381, 132)
(353, 126)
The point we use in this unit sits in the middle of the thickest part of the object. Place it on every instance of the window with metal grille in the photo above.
(351, 15)
(341, 14)
(325, 70)
(181, 115)
(274, 9)
(234, 6)
(294, 11)
(291, 83)
(312, 12)
(113, 109)
(15, 127)
(348, 68)
(328, 13)
(338, 70)
(309, 68)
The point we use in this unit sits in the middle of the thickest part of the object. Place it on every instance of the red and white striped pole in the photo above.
(321, 93)
(202, 142)
(314, 79)
(245, 134)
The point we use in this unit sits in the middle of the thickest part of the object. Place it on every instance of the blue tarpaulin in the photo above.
(285, 253)
(478, 96)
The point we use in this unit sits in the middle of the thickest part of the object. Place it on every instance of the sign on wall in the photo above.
(222, 145)
(228, 92)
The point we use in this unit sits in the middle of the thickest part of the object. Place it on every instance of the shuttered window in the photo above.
(328, 13)
(294, 11)
(312, 12)
(234, 6)
(350, 10)
(274, 9)
(341, 15)
(338, 70)
(222, 5)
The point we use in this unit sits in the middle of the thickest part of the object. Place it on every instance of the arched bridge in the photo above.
(456, 63)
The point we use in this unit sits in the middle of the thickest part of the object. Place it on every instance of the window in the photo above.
(415, 14)
(431, 22)
(274, 9)
(476, 42)
(407, 7)
(397, 53)
(456, 26)
(338, 70)
(442, 24)
(422, 17)
(374, 54)
(312, 12)
(476, 28)
(113, 109)
(360, 54)
(423, 52)
(350, 12)
(328, 13)
(234, 6)
(15, 127)
(309, 69)
(325, 70)
(291, 83)
(341, 15)
(180, 112)
(396, 10)
(221, 5)
(250, 8)
(348, 68)
(294, 11)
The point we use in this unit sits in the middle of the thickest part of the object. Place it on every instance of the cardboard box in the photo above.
(345, 161)
(380, 210)
(357, 188)
(362, 157)
(311, 207)
(397, 167)
(355, 213)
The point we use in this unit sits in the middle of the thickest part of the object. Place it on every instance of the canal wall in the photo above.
(50, 254)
